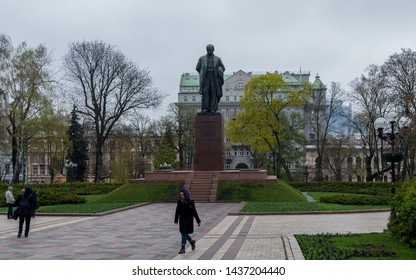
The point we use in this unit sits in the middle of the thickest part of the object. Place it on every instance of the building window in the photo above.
(239, 86)
(227, 87)
(35, 170)
(227, 98)
(235, 97)
(312, 136)
(42, 169)
(349, 163)
(193, 98)
(358, 162)
(185, 99)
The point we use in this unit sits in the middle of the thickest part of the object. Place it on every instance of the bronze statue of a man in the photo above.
(211, 78)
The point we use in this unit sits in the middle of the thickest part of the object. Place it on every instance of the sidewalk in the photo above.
(148, 233)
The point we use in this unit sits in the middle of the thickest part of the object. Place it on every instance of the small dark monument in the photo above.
(209, 143)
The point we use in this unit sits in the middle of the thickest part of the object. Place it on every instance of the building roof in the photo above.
(318, 84)
(189, 80)
(290, 80)
(192, 80)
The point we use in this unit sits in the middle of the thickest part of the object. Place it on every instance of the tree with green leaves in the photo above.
(50, 138)
(166, 152)
(26, 79)
(270, 122)
(109, 87)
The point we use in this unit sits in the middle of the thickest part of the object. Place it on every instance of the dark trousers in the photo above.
(22, 219)
(209, 93)
(9, 210)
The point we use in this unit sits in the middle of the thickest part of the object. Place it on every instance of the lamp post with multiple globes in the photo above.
(390, 129)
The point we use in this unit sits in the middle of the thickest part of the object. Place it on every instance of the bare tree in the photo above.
(183, 122)
(372, 100)
(339, 149)
(5, 50)
(323, 112)
(108, 87)
(143, 142)
(400, 72)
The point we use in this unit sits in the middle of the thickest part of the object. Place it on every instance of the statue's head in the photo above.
(210, 49)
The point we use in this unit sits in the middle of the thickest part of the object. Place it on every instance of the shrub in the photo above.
(371, 188)
(52, 194)
(321, 247)
(354, 199)
(402, 222)
(261, 192)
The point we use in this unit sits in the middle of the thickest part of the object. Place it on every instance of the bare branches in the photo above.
(108, 85)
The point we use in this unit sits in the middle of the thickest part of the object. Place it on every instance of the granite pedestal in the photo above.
(209, 142)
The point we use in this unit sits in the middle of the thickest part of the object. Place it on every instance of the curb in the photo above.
(237, 212)
(92, 214)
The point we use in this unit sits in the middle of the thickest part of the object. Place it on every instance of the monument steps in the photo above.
(203, 187)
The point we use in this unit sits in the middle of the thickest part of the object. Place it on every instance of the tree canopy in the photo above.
(270, 121)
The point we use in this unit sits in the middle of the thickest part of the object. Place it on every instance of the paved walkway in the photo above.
(148, 233)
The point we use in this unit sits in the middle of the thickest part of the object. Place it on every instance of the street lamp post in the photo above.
(388, 130)
(305, 170)
(70, 167)
(306, 173)
(165, 166)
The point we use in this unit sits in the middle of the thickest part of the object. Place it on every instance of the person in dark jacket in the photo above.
(25, 217)
(185, 214)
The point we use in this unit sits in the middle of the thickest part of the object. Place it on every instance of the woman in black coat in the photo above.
(185, 214)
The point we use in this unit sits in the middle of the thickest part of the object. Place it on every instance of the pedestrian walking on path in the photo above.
(10, 201)
(26, 203)
(185, 214)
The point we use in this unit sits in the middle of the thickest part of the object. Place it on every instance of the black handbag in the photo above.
(15, 214)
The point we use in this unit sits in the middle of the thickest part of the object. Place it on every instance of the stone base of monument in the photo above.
(203, 184)
(209, 142)
(208, 170)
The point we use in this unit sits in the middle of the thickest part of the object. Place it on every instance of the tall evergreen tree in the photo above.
(79, 154)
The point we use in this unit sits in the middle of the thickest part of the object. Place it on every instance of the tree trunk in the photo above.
(15, 159)
(99, 159)
(369, 174)
(319, 176)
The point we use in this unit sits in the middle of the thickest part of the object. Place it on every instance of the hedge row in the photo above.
(52, 194)
(371, 188)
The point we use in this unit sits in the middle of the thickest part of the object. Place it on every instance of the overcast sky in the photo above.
(335, 39)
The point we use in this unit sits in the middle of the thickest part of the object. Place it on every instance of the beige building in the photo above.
(236, 155)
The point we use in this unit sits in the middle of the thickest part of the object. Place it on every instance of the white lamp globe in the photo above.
(404, 122)
(380, 123)
(391, 117)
